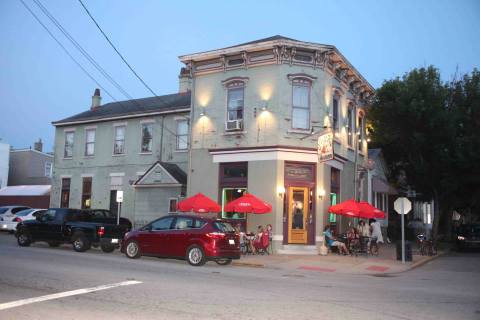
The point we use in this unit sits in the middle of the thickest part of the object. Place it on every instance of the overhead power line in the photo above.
(82, 50)
(116, 50)
(66, 51)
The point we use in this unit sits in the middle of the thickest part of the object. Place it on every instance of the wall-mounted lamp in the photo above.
(368, 139)
(203, 112)
(281, 191)
(321, 194)
(264, 105)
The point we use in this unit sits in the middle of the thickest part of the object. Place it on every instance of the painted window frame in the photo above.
(170, 201)
(87, 194)
(49, 165)
(350, 124)
(149, 148)
(336, 107)
(87, 143)
(184, 136)
(68, 146)
(231, 86)
(115, 140)
(302, 82)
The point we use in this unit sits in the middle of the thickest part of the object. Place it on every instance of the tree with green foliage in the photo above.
(429, 133)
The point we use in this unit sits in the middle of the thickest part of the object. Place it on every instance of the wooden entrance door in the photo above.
(297, 215)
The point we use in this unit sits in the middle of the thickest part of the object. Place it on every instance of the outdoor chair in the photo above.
(331, 249)
(262, 246)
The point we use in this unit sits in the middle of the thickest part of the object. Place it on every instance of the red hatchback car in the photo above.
(196, 239)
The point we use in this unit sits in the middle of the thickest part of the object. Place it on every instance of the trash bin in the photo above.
(408, 250)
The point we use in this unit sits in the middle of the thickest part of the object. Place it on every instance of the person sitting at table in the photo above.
(363, 229)
(257, 240)
(333, 242)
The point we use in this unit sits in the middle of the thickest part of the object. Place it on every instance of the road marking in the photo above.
(59, 295)
(378, 268)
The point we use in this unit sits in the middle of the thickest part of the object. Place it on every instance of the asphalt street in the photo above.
(446, 288)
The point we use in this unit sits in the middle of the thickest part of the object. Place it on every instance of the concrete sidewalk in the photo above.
(384, 263)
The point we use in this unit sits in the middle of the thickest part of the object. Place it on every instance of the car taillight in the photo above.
(216, 235)
(17, 219)
(101, 231)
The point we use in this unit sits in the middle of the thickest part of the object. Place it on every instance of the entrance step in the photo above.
(298, 249)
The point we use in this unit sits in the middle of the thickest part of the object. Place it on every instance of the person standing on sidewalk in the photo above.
(376, 230)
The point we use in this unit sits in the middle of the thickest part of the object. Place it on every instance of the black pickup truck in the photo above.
(81, 228)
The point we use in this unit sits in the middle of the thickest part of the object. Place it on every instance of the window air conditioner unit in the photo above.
(233, 125)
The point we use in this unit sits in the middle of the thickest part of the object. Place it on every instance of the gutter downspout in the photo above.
(356, 154)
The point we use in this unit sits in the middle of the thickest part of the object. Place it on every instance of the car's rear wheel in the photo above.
(24, 239)
(132, 250)
(223, 262)
(80, 242)
(107, 248)
(196, 256)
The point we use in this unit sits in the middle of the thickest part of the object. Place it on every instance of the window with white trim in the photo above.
(68, 147)
(182, 134)
(335, 113)
(119, 143)
(235, 102)
(361, 130)
(147, 137)
(350, 128)
(301, 104)
(48, 169)
(89, 142)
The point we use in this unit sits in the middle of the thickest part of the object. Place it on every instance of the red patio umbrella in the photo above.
(248, 203)
(368, 211)
(199, 203)
(349, 208)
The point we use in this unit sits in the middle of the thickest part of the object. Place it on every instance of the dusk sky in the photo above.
(39, 83)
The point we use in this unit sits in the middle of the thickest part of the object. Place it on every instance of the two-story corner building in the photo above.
(247, 119)
(257, 112)
(138, 146)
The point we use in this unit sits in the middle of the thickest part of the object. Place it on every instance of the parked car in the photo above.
(7, 214)
(195, 239)
(10, 223)
(468, 236)
(81, 228)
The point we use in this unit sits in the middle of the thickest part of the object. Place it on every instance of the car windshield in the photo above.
(223, 226)
(3, 210)
(24, 212)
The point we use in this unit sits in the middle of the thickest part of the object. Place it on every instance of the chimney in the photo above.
(96, 99)
(38, 145)
(185, 81)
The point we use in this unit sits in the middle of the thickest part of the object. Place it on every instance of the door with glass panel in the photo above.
(297, 215)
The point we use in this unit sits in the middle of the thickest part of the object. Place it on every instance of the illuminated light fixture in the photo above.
(281, 191)
(349, 133)
(321, 194)
(203, 113)
(358, 133)
(264, 105)
(239, 190)
(368, 139)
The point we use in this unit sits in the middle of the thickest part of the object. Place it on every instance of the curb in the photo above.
(248, 264)
(422, 262)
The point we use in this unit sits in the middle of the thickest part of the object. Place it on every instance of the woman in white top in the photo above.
(363, 229)
(376, 230)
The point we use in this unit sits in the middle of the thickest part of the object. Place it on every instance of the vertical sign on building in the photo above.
(325, 146)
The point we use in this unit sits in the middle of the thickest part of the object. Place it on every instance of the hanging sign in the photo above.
(325, 146)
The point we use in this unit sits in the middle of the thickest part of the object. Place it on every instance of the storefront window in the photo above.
(332, 218)
(228, 195)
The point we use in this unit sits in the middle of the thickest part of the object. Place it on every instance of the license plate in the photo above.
(231, 241)
(4, 226)
(114, 240)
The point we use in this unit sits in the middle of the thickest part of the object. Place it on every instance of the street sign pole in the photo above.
(403, 233)
(118, 212)
(119, 201)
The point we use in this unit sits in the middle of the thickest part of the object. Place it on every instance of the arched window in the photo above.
(361, 129)
(336, 111)
(350, 122)
(235, 88)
